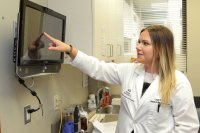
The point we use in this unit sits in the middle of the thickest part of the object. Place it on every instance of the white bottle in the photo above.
(92, 101)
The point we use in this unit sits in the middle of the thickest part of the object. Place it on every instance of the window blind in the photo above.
(142, 13)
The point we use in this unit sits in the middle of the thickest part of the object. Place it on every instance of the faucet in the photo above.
(103, 97)
(99, 98)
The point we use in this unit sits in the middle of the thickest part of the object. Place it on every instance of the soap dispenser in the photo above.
(76, 119)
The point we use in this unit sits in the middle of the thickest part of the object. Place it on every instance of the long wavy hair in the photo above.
(164, 59)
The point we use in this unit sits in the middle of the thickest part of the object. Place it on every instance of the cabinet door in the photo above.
(116, 23)
(108, 29)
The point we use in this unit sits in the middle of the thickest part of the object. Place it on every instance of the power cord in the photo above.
(21, 81)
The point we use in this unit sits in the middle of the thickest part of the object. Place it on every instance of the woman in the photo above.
(155, 97)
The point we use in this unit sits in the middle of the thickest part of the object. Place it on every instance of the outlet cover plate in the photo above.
(56, 102)
(27, 116)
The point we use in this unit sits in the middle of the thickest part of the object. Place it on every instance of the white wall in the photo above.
(13, 97)
(193, 44)
(79, 22)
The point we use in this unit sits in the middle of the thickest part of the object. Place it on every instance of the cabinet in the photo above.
(108, 29)
(93, 26)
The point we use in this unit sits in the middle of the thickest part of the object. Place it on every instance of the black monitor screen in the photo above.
(33, 46)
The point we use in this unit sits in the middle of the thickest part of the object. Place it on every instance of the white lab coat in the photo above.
(142, 113)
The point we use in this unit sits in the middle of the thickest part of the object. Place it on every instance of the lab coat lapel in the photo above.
(139, 83)
(153, 89)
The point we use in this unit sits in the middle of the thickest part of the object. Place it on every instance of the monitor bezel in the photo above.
(21, 31)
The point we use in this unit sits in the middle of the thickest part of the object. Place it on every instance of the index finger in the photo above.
(49, 37)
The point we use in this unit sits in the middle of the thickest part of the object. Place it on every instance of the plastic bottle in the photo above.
(76, 119)
(91, 101)
(84, 120)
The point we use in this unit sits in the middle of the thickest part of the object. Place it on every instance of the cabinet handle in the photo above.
(110, 53)
(120, 50)
(111, 50)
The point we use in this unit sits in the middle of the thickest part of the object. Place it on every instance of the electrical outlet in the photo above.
(56, 102)
(27, 116)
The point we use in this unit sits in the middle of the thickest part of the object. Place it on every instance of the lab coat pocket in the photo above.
(164, 111)
(158, 113)
(152, 114)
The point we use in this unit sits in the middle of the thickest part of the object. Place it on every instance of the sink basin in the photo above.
(106, 110)
(110, 118)
(104, 118)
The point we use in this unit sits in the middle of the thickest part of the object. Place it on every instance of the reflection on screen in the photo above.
(35, 44)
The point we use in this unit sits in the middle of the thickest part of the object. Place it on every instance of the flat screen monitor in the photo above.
(31, 45)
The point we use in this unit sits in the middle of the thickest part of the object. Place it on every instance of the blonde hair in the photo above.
(164, 59)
